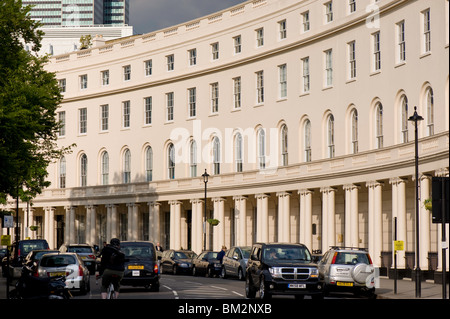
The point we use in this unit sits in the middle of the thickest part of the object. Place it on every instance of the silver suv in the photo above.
(348, 269)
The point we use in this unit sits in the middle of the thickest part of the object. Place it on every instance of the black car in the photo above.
(207, 264)
(177, 261)
(35, 255)
(141, 267)
(282, 269)
(20, 250)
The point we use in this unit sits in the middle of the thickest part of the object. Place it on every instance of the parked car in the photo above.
(348, 269)
(69, 265)
(234, 262)
(35, 255)
(177, 261)
(19, 250)
(86, 253)
(206, 264)
(141, 267)
(282, 269)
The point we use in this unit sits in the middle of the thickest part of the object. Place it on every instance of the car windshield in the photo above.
(246, 252)
(80, 250)
(211, 255)
(40, 254)
(27, 247)
(351, 258)
(287, 253)
(180, 255)
(57, 261)
(137, 251)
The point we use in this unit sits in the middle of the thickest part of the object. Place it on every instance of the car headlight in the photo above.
(184, 265)
(275, 272)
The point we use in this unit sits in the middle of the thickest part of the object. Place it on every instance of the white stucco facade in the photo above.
(334, 166)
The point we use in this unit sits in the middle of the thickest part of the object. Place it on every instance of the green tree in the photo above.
(29, 98)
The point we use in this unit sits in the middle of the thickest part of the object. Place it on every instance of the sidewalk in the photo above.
(406, 289)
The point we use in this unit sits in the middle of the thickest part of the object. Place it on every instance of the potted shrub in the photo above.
(213, 221)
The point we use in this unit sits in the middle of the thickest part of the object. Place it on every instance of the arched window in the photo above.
(284, 145)
(216, 155)
(105, 168)
(404, 110)
(354, 131)
(83, 170)
(330, 136)
(149, 164)
(307, 141)
(62, 172)
(171, 161)
(379, 125)
(127, 166)
(193, 158)
(262, 148)
(430, 111)
(238, 152)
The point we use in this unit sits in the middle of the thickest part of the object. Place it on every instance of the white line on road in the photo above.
(236, 293)
(221, 288)
(174, 292)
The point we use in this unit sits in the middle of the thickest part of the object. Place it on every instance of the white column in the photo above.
(50, 223)
(284, 226)
(133, 231)
(175, 224)
(219, 230)
(424, 222)
(375, 221)
(197, 228)
(263, 217)
(154, 220)
(91, 222)
(111, 222)
(351, 216)
(399, 211)
(328, 218)
(240, 204)
(325, 244)
(306, 217)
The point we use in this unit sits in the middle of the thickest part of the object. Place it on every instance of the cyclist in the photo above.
(112, 267)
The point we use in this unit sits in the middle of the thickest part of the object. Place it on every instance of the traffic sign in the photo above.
(399, 245)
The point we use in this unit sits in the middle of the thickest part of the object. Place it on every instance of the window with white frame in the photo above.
(82, 120)
(171, 161)
(426, 31)
(127, 73)
(260, 87)
(401, 41)
(404, 119)
(83, 81)
(306, 75)
(282, 69)
(170, 61)
(83, 170)
(216, 156)
(62, 172)
(352, 59)
(354, 131)
(351, 6)
(62, 85)
(284, 145)
(237, 44)
(260, 37)
(307, 141)
(169, 106)
(214, 97)
(104, 109)
(148, 110)
(126, 114)
(282, 29)
(237, 92)
(262, 148)
(148, 66)
(430, 111)
(105, 168)
(330, 136)
(105, 77)
(329, 11)
(379, 125)
(215, 51)
(238, 152)
(192, 57)
(192, 102)
(193, 158)
(305, 21)
(376, 51)
(62, 123)
(127, 167)
(329, 67)
(149, 164)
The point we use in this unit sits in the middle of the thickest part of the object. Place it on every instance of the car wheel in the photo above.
(241, 274)
(263, 294)
(250, 291)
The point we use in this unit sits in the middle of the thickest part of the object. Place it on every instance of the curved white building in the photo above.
(298, 110)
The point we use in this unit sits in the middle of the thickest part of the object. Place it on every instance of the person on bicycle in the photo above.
(112, 266)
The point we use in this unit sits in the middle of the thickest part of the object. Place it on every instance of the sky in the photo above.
(150, 15)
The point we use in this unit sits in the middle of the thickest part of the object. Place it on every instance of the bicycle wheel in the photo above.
(110, 293)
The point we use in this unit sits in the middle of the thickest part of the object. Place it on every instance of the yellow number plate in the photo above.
(135, 267)
(57, 274)
(345, 284)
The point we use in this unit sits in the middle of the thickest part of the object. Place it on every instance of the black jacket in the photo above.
(112, 258)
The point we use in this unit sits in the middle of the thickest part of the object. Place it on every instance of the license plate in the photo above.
(135, 267)
(345, 284)
(135, 273)
(297, 286)
(57, 274)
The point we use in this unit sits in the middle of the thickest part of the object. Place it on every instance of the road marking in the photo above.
(219, 288)
(236, 293)
(173, 291)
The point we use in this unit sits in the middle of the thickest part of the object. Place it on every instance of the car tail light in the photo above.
(155, 269)
(370, 259)
(91, 256)
(334, 258)
(80, 271)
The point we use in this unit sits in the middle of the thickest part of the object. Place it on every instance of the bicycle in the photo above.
(111, 292)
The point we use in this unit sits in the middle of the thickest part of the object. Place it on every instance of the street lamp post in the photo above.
(415, 118)
(205, 180)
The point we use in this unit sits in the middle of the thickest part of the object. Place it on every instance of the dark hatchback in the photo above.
(177, 261)
(206, 263)
(141, 267)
